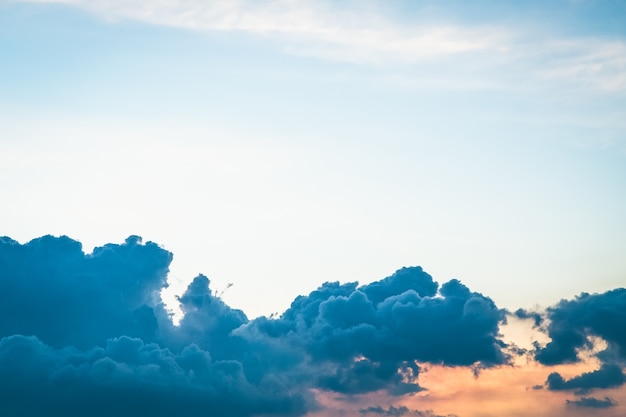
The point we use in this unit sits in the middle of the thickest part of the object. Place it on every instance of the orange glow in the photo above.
(513, 391)
(505, 391)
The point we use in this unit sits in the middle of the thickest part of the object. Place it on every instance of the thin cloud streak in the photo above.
(368, 35)
(347, 35)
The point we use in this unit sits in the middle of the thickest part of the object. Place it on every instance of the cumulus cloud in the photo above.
(51, 289)
(362, 339)
(87, 334)
(127, 378)
(83, 331)
(590, 402)
(207, 320)
(572, 322)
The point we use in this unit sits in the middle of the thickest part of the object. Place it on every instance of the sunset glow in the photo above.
(312, 208)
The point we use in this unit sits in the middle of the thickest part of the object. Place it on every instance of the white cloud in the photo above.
(359, 33)
(595, 64)
(363, 32)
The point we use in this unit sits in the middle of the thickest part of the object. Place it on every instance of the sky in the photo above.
(277, 152)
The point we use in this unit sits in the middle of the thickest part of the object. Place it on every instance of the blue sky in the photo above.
(277, 145)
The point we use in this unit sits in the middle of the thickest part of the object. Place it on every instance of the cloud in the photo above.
(207, 320)
(391, 411)
(51, 289)
(322, 29)
(599, 65)
(371, 34)
(400, 411)
(572, 322)
(89, 335)
(590, 402)
(127, 378)
(572, 325)
(90, 330)
(608, 376)
(368, 338)
(537, 318)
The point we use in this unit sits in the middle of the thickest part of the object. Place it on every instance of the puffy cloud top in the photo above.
(89, 335)
(367, 338)
(573, 321)
(51, 289)
(571, 325)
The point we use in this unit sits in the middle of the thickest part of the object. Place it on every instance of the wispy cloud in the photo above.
(367, 33)
(593, 63)
(399, 412)
(357, 33)
(591, 402)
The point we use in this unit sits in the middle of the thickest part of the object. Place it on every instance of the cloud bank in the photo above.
(88, 334)
(89, 330)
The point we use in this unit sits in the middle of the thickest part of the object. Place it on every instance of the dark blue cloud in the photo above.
(590, 402)
(403, 280)
(51, 289)
(400, 411)
(571, 322)
(128, 378)
(608, 376)
(391, 411)
(357, 344)
(207, 320)
(89, 335)
(536, 317)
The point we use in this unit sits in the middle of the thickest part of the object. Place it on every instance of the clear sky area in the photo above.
(274, 146)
